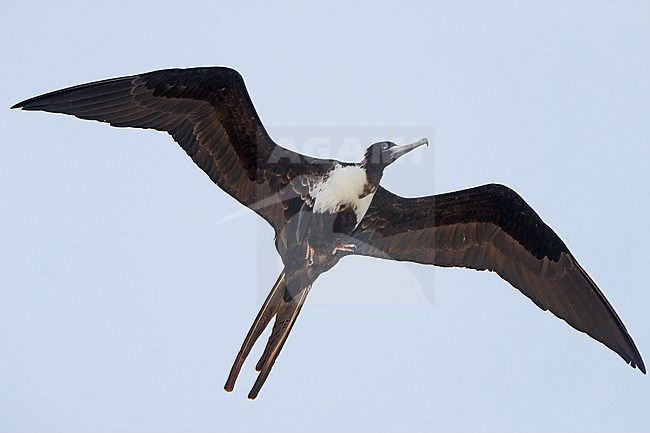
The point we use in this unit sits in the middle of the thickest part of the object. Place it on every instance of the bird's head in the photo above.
(380, 155)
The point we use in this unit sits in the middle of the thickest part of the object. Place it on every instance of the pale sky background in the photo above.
(126, 295)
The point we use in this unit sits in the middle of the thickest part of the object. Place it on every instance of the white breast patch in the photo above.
(342, 188)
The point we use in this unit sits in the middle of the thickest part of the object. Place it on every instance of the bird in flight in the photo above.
(323, 209)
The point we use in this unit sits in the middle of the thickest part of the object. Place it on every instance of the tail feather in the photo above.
(285, 318)
(266, 313)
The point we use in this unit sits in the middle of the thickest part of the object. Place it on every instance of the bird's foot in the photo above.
(348, 248)
(310, 254)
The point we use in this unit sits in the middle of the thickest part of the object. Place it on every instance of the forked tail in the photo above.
(285, 313)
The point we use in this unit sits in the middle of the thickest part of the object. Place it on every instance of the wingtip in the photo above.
(641, 366)
(634, 359)
(28, 104)
(31, 104)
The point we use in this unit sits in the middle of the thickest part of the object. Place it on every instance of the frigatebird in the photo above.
(323, 210)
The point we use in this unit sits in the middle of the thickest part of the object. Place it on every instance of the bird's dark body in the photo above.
(323, 229)
(322, 210)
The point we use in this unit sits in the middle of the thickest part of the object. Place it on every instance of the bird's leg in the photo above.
(345, 247)
(310, 254)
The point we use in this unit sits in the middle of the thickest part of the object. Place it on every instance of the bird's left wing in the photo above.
(209, 113)
(492, 228)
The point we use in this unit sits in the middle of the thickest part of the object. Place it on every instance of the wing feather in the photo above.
(492, 228)
(209, 114)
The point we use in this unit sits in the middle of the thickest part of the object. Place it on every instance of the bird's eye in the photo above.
(384, 146)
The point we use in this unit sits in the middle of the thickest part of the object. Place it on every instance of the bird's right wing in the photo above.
(492, 228)
(209, 113)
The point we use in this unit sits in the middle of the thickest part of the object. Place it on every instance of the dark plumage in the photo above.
(322, 210)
